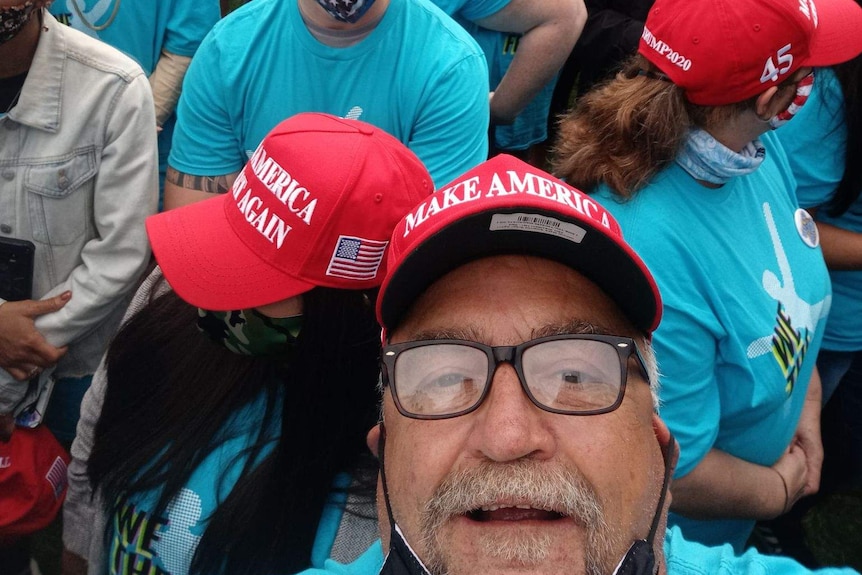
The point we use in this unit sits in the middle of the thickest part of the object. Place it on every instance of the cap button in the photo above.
(365, 128)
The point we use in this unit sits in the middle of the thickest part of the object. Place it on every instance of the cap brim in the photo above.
(208, 266)
(614, 267)
(839, 33)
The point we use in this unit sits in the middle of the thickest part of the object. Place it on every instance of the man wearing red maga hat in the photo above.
(519, 431)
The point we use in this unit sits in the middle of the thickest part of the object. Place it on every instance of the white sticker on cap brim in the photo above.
(537, 223)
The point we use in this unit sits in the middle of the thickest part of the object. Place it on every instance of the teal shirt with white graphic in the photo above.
(816, 142)
(745, 301)
(417, 75)
(142, 543)
(164, 545)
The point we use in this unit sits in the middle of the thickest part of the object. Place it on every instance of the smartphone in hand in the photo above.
(16, 269)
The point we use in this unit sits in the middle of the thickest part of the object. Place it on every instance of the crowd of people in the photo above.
(276, 286)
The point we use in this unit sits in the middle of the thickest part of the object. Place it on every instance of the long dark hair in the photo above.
(171, 390)
(850, 77)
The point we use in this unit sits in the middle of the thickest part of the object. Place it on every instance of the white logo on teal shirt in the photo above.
(796, 319)
(177, 544)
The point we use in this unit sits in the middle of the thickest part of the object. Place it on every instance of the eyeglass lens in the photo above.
(568, 375)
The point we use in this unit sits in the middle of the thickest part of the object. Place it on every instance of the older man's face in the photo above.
(547, 493)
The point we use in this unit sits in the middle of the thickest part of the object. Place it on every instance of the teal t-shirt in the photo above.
(682, 558)
(471, 10)
(745, 299)
(531, 125)
(417, 75)
(141, 542)
(142, 29)
(816, 141)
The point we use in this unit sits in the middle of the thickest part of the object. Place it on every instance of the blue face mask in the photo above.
(346, 10)
(402, 560)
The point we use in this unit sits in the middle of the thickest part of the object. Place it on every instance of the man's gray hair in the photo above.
(648, 355)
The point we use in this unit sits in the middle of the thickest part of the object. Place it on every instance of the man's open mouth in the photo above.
(513, 513)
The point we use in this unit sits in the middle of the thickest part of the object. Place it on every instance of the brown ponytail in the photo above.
(623, 132)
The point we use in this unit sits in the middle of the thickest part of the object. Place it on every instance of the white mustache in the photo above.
(524, 483)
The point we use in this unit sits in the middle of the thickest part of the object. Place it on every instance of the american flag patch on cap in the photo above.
(356, 258)
(56, 476)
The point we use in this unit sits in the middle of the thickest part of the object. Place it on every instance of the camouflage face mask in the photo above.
(249, 332)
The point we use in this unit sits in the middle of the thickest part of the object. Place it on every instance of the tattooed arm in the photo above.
(182, 189)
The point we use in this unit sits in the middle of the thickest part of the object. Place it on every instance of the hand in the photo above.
(808, 435)
(72, 564)
(7, 426)
(23, 350)
(792, 468)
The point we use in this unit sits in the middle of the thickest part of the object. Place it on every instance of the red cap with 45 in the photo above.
(726, 51)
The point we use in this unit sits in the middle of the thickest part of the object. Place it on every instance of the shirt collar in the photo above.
(40, 102)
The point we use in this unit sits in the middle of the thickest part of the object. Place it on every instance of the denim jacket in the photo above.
(78, 176)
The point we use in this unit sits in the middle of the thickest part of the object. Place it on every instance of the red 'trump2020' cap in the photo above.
(726, 51)
(505, 206)
(314, 207)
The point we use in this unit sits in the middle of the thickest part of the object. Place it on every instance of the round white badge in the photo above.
(807, 228)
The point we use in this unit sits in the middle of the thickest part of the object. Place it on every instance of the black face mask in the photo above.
(638, 560)
(14, 18)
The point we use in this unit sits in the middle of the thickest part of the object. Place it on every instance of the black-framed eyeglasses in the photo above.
(570, 374)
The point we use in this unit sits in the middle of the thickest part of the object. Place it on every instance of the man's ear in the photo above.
(664, 437)
(372, 440)
(768, 104)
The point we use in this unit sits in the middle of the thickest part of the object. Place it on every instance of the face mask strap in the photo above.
(640, 558)
(401, 559)
(668, 463)
(381, 449)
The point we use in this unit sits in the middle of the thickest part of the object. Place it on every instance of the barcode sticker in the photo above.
(537, 223)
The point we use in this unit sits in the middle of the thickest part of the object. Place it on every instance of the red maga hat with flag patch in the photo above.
(726, 51)
(314, 207)
(505, 206)
(33, 468)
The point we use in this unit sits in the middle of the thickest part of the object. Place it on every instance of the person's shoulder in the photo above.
(237, 31)
(656, 204)
(91, 53)
(248, 17)
(425, 18)
(471, 10)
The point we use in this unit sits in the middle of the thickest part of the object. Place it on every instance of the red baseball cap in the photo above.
(505, 206)
(314, 207)
(726, 51)
(33, 481)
